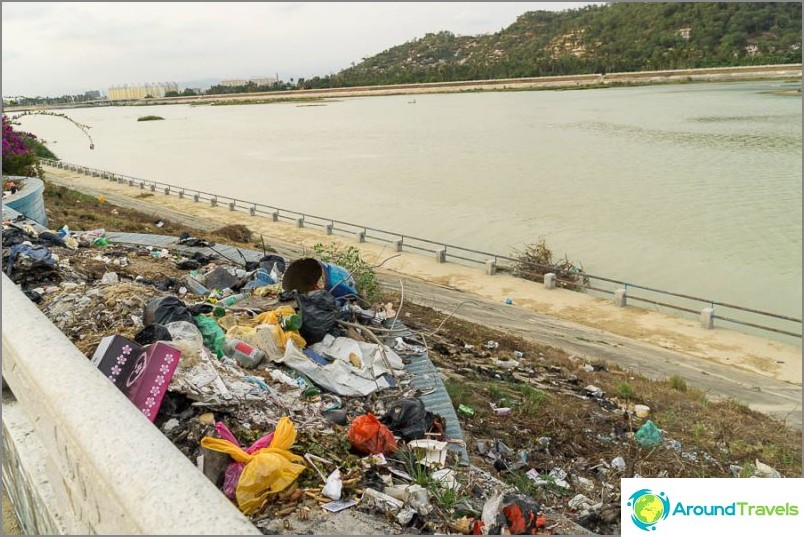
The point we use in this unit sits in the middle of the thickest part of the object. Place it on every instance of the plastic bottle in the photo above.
(246, 355)
(233, 299)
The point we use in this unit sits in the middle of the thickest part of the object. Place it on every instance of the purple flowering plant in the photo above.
(19, 157)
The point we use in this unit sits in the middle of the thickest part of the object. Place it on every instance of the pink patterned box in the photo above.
(115, 358)
(142, 373)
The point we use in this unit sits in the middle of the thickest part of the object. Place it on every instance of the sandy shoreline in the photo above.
(770, 358)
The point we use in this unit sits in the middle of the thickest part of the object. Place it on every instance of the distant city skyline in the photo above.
(66, 48)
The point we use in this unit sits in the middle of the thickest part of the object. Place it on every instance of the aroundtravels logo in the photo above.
(648, 508)
(672, 506)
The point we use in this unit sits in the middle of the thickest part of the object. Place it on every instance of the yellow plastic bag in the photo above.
(270, 320)
(274, 316)
(267, 471)
(240, 332)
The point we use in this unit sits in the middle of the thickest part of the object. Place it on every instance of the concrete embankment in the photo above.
(718, 74)
(678, 344)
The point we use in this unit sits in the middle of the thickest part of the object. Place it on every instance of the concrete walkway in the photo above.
(762, 373)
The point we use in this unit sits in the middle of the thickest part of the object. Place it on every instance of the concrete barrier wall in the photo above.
(79, 458)
(29, 200)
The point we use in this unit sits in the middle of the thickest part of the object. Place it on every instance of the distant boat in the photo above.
(412, 102)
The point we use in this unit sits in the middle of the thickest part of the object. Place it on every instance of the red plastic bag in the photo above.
(369, 436)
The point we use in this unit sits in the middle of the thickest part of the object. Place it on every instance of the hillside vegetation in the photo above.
(597, 39)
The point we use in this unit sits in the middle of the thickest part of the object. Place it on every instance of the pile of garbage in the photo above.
(275, 377)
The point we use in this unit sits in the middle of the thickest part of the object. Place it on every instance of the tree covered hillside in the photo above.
(610, 38)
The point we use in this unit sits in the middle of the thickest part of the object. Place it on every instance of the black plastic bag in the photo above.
(319, 313)
(220, 278)
(269, 261)
(188, 264)
(153, 333)
(201, 308)
(408, 418)
(48, 238)
(164, 310)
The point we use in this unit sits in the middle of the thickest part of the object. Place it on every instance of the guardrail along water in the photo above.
(706, 309)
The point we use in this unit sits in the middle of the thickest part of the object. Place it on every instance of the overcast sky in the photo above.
(52, 49)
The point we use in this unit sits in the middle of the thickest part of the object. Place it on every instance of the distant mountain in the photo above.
(609, 38)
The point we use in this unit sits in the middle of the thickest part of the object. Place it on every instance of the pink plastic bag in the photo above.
(232, 475)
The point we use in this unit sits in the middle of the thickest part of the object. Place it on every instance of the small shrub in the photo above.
(419, 472)
(625, 390)
(446, 498)
(678, 383)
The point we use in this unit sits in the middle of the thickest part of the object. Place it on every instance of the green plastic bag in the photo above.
(648, 435)
(214, 338)
(101, 241)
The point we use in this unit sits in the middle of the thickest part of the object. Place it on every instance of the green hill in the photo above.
(610, 38)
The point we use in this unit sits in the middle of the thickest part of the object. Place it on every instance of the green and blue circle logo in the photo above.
(648, 508)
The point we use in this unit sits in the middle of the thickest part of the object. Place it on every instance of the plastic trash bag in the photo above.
(408, 418)
(275, 316)
(367, 435)
(332, 489)
(152, 333)
(267, 471)
(186, 331)
(214, 337)
(648, 435)
(319, 313)
(261, 278)
(234, 469)
(338, 281)
(164, 310)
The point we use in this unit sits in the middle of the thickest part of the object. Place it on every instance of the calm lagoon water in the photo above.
(691, 188)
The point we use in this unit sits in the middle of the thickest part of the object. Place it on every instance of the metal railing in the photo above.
(785, 325)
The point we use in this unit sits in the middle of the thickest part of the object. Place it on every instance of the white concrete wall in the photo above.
(85, 459)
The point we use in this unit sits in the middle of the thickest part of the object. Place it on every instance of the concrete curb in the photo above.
(111, 471)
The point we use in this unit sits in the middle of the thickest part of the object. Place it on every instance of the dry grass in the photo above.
(580, 429)
(82, 212)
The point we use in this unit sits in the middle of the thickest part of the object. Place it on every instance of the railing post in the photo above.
(275, 216)
(131, 182)
(619, 298)
(252, 210)
(142, 185)
(214, 201)
(441, 255)
(361, 236)
(328, 229)
(708, 318)
(300, 222)
(196, 197)
(550, 281)
(153, 187)
(397, 244)
(167, 190)
(181, 194)
(491, 267)
(232, 205)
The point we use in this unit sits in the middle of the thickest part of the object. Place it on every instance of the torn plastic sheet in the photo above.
(342, 376)
(367, 354)
(202, 378)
